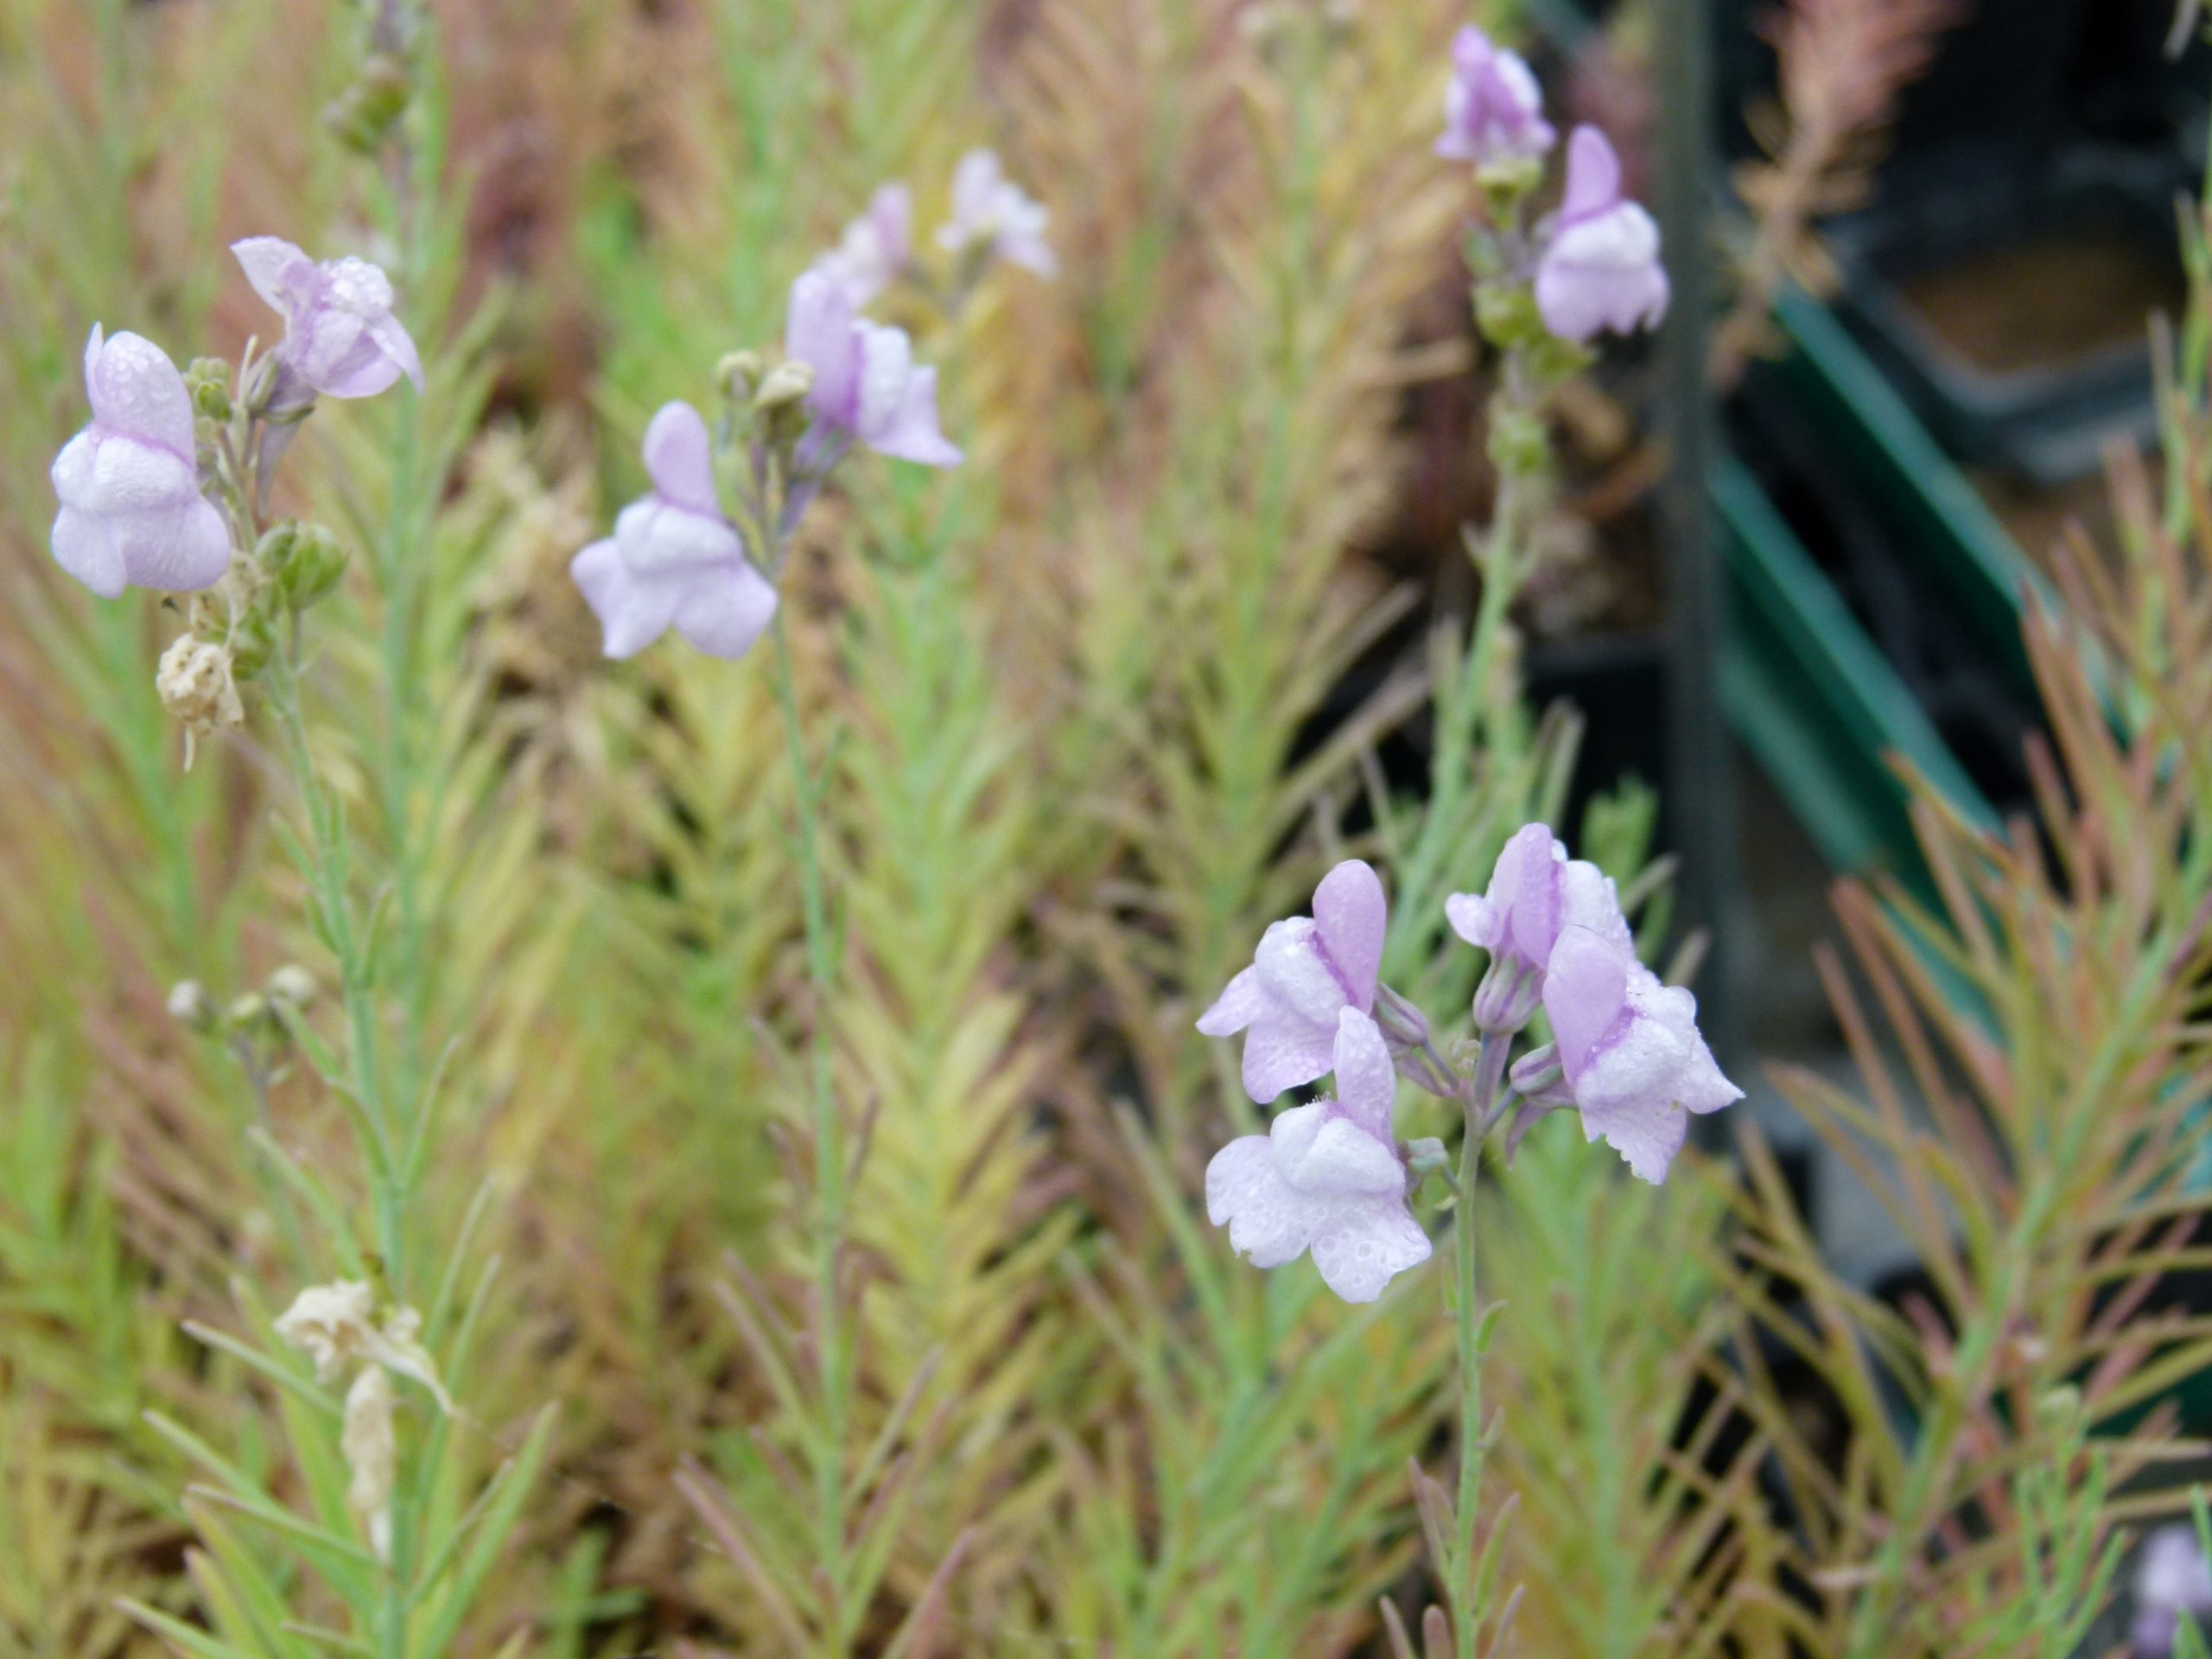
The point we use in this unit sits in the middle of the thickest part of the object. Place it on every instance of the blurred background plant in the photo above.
(1103, 703)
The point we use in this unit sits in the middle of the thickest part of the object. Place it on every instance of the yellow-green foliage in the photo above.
(1069, 705)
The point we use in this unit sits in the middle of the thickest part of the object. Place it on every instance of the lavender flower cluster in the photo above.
(677, 559)
(163, 490)
(1598, 267)
(1330, 1177)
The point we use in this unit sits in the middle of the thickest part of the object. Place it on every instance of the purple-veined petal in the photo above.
(1367, 1082)
(1353, 916)
(1297, 975)
(1586, 991)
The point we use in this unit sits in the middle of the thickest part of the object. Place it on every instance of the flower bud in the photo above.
(304, 563)
(1403, 1024)
(208, 380)
(191, 1007)
(248, 1010)
(739, 375)
(1507, 998)
(1426, 1154)
(1506, 181)
(787, 383)
(1538, 1075)
(292, 984)
(363, 115)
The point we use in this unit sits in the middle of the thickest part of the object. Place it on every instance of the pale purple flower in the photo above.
(2171, 1579)
(1601, 268)
(1328, 1178)
(866, 384)
(1630, 1049)
(1493, 109)
(1307, 971)
(340, 339)
(876, 248)
(674, 560)
(988, 209)
(132, 515)
(1536, 890)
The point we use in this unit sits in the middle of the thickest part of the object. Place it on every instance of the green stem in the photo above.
(330, 883)
(828, 1162)
(1482, 1103)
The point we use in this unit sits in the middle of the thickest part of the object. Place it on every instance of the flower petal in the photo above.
(1588, 899)
(658, 536)
(1367, 1246)
(1353, 918)
(137, 392)
(724, 610)
(912, 433)
(1367, 1082)
(1586, 991)
(1240, 1003)
(275, 268)
(397, 345)
(1593, 175)
(1267, 1221)
(83, 547)
(1648, 1133)
(1340, 1159)
(178, 548)
(1473, 917)
(818, 332)
(680, 459)
(1282, 1052)
(633, 611)
(1297, 977)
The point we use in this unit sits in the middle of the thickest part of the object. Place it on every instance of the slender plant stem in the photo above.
(828, 1161)
(1483, 1102)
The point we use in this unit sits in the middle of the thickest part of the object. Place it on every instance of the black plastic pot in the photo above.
(1967, 211)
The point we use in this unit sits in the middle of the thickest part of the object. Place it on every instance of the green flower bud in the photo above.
(739, 374)
(1506, 183)
(208, 381)
(303, 562)
(365, 113)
